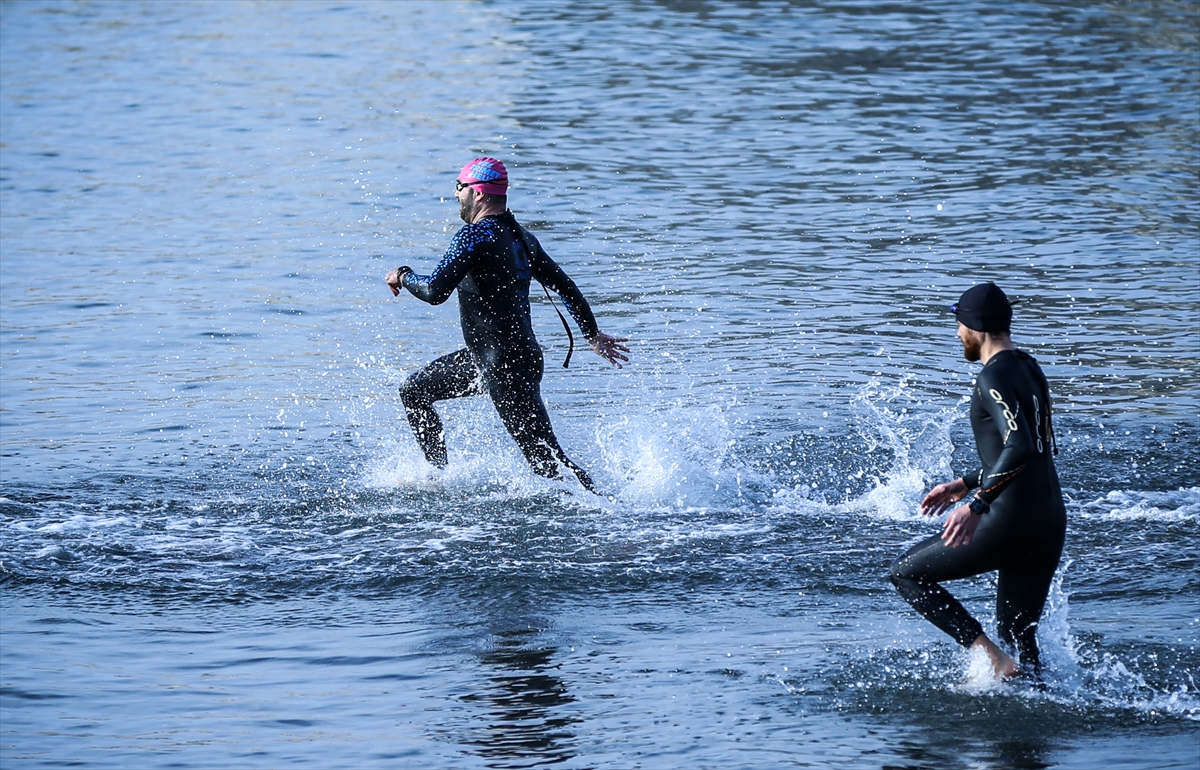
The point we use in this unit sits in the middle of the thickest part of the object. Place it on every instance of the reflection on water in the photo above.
(525, 725)
(958, 738)
(944, 749)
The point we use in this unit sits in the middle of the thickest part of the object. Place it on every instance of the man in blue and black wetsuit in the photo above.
(491, 262)
(1016, 522)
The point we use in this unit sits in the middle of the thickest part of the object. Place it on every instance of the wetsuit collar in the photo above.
(992, 349)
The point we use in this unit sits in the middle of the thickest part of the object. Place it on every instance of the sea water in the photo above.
(220, 545)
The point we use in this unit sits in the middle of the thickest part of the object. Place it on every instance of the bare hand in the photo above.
(392, 279)
(943, 496)
(959, 527)
(610, 348)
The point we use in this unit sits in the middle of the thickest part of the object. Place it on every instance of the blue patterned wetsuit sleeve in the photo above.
(1016, 435)
(547, 271)
(437, 287)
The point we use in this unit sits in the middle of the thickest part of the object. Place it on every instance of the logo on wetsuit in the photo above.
(1009, 415)
(1037, 420)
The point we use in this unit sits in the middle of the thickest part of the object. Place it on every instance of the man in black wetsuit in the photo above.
(491, 262)
(1016, 522)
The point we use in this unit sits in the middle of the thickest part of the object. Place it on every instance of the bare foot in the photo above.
(1003, 666)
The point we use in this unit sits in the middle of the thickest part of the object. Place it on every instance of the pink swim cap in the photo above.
(490, 173)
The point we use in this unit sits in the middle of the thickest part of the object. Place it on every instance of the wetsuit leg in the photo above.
(1021, 596)
(516, 392)
(1025, 556)
(451, 376)
(919, 571)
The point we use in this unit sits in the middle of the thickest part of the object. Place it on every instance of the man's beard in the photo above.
(972, 347)
(466, 209)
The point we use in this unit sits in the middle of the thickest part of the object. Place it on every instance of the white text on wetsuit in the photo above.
(1008, 413)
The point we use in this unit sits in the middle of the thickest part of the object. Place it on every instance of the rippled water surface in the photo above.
(219, 545)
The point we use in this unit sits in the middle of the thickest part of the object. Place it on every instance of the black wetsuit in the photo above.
(1022, 534)
(491, 263)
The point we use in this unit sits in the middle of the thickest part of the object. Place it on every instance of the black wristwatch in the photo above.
(400, 271)
(979, 507)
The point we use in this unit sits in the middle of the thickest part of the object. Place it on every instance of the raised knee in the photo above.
(896, 573)
(412, 395)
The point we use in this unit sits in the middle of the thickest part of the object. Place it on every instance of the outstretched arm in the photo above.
(610, 348)
(546, 270)
(438, 286)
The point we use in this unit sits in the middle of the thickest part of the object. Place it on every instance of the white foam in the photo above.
(1179, 505)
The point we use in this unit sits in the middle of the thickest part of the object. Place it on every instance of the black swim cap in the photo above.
(984, 308)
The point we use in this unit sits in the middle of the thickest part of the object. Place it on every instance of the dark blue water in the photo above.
(219, 544)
